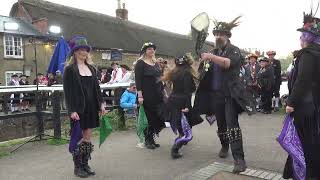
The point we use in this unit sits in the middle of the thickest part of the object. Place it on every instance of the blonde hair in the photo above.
(72, 60)
(143, 57)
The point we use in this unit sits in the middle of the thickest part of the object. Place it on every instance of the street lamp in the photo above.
(54, 29)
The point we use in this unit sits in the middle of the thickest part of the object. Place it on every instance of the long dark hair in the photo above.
(180, 69)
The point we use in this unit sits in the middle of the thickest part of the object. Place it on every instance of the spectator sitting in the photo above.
(128, 98)
(126, 74)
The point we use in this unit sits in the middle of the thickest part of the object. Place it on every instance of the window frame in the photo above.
(10, 73)
(13, 46)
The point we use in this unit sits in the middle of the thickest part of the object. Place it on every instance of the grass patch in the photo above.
(12, 143)
(57, 142)
(4, 154)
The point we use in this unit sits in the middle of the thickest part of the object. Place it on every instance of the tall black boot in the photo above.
(239, 166)
(85, 158)
(175, 154)
(78, 169)
(154, 142)
(148, 139)
(225, 145)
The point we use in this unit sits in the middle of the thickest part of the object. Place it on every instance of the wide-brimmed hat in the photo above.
(147, 45)
(224, 27)
(252, 55)
(78, 42)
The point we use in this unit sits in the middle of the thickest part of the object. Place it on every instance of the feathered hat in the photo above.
(225, 27)
(311, 24)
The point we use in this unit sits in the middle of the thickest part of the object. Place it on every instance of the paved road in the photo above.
(119, 159)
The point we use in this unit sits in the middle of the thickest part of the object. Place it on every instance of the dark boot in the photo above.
(154, 143)
(224, 151)
(239, 166)
(78, 169)
(175, 154)
(85, 159)
(224, 143)
(148, 139)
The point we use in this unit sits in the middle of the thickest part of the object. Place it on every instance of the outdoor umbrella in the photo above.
(59, 56)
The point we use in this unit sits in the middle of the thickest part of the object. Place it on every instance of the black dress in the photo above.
(180, 98)
(304, 97)
(148, 81)
(90, 117)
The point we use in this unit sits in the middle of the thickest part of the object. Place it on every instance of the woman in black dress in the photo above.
(83, 99)
(150, 92)
(179, 102)
(303, 102)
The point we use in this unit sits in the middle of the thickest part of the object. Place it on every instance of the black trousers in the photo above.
(226, 111)
(266, 99)
(276, 89)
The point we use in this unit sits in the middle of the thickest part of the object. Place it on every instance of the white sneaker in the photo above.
(140, 145)
(167, 124)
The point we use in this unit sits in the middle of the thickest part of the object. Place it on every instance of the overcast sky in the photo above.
(266, 24)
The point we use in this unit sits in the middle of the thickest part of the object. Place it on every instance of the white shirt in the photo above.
(126, 77)
(116, 75)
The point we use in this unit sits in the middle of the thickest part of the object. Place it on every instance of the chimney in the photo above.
(122, 13)
(22, 13)
(41, 25)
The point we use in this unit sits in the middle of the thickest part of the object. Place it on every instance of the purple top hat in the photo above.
(78, 42)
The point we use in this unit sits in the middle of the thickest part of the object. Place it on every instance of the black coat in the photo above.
(277, 72)
(265, 78)
(231, 85)
(73, 90)
(304, 82)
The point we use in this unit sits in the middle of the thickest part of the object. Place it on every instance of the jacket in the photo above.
(277, 72)
(231, 85)
(73, 90)
(265, 78)
(128, 100)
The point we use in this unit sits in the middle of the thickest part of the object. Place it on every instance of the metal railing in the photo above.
(48, 100)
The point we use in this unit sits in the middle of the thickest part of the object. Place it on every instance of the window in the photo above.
(8, 75)
(13, 47)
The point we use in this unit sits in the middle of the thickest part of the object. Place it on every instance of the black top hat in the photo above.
(263, 59)
(14, 75)
(181, 60)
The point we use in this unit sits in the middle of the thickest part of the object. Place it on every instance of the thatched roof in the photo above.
(104, 31)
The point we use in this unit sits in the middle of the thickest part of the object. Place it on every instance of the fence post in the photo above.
(117, 95)
(55, 99)
(5, 103)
